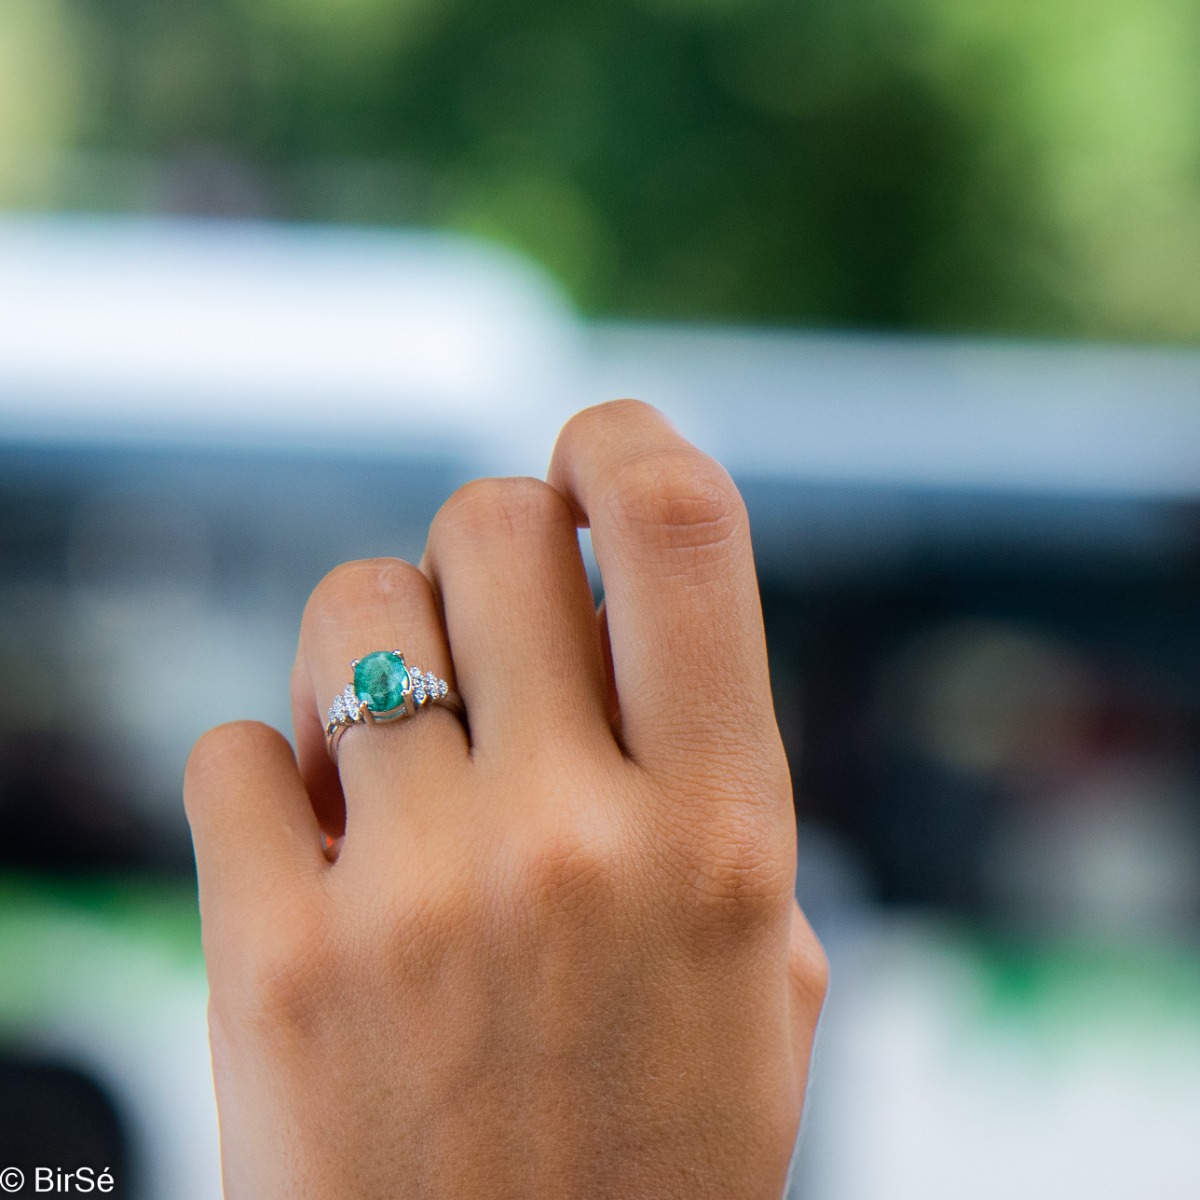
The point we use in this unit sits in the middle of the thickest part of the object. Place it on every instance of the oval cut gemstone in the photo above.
(380, 680)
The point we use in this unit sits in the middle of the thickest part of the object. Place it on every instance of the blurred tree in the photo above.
(1017, 166)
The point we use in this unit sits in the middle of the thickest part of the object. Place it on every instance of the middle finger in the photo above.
(504, 557)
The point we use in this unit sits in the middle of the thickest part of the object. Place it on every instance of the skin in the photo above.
(556, 955)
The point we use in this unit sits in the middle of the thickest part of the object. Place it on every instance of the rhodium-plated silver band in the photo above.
(348, 709)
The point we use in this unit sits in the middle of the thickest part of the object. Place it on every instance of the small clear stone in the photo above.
(337, 710)
(430, 681)
(350, 705)
(443, 688)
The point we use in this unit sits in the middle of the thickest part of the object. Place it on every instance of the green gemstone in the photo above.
(380, 681)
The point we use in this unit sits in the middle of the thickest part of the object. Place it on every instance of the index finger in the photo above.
(672, 541)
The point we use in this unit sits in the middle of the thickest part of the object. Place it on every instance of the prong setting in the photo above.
(384, 688)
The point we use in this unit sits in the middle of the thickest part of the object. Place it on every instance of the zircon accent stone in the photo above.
(380, 681)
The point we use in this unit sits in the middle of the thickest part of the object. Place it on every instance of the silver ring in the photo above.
(384, 688)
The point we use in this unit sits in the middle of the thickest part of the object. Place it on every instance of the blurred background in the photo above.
(277, 275)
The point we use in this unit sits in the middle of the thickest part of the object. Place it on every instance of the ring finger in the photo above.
(383, 770)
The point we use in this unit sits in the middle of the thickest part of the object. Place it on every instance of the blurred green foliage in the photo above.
(1015, 166)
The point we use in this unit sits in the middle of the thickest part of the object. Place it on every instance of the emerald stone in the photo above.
(380, 681)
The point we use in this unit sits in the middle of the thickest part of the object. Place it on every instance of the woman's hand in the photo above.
(558, 957)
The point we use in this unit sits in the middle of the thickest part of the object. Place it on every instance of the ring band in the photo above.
(384, 688)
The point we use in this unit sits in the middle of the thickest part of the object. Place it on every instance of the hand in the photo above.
(559, 956)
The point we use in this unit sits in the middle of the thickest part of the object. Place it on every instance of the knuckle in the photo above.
(488, 508)
(613, 417)
(208, 764)
(349, 584)
(737, 882)
(808, 969)
(204, 761)
(572, 870)
(287, 974)
(678, 499)
(209, 749)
